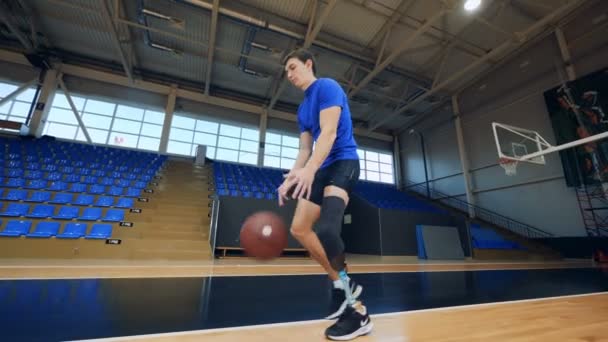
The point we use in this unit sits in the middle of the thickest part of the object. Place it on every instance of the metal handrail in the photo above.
(484, 214)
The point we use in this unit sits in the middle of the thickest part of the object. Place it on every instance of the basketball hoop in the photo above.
(510, 166)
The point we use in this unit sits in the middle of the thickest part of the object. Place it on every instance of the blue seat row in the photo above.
(489, 239)
(95, 189)
(67, 198)
(64, 212)
(51, 229)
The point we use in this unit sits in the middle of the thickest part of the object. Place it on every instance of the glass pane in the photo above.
(183, 122)
(361, 164)
(62, 115)
(248, 158)
(205, 139)
(386, 168)
(291, 141)
(21, 109)
(5, 108)
(273, 138)
(386, 158)
(146, 143)
(99, 107)
(98, 136)
(361, 154)
(250, 134)
(228, 142)
(16, 118)
(386, 178)
(129, 113)
(6, 88)
(289, 152)
(231, 131)
(272, 161)
(287, 163)
(179, 148)
(61, 131)
(151, 130)
(80, 136)
(227, 155)
(250, 146)
(127, 126)
(210, 152)
(373, 176)
(96, 121)
(60, 100)
(154, 117)
(206, 126)
(181, 135)
(362, 175)
(272, 150)
(123, 139)
(27, 95)
(372, 166)
(373, 156)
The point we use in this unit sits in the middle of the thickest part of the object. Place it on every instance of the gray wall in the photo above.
(512, 94)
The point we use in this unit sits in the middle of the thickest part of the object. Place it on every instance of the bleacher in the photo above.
(246, 181)
(387, 196)
(66, 190)
(489, 239)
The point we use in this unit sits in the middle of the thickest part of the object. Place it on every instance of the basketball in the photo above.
(263, 235)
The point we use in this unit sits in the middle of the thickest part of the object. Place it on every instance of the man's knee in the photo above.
(298, 231)
(330, 226)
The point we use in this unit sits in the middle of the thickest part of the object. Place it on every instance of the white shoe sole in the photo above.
(364, 330)
(356, 295)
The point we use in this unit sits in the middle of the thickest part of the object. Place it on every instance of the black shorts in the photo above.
(341, 173)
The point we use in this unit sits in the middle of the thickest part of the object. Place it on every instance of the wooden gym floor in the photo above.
(233, 299)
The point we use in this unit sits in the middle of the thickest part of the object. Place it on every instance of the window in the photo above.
(106, 122)
(376, 166)
(224, 142)
(280, 151)
(18, 108)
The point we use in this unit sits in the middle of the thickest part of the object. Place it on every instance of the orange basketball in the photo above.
(263, 235)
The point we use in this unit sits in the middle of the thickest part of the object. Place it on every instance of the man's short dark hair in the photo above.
(302, 55)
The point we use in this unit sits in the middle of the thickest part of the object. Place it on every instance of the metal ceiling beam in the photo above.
(504, 47)
(395, 53)
(8, 21)
(119, 7)
(211, 47)
(105, 12)
(318, 24)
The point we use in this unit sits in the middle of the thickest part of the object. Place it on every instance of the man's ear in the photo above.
(308, 64)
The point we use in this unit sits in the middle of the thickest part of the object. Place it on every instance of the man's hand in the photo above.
(301, 179)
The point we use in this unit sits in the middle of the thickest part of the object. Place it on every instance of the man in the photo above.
(322, 181)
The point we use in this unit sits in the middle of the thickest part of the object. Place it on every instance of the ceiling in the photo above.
(396, 59)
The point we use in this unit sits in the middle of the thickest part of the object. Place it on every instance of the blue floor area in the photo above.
(59, 310)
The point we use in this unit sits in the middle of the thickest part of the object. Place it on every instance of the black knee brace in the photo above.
(329, 227)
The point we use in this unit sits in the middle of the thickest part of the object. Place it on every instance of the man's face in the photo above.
(298, 73)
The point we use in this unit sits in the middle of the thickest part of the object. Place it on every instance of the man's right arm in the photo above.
(305, 150)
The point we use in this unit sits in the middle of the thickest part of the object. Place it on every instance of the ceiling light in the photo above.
(471, 5)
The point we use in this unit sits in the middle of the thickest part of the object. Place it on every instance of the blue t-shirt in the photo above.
(322, 94)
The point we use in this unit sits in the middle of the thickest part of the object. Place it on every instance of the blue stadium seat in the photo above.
(78, 187)
(71, 178)
(54, 176)
(133, 192)
(73, 231)
(15, 183)
(42, 211)
(123, 183)
(39, 196)
(45, 229)
(84, 199)
(125, 202)
(36, 184)
(104, 201)
(16, 228)
(15, 210)
(100, 231)
(114, 215)
(97, 189)
(67, 213)
(58, 186)
(90, 214)
(15, 195)
(115, 191)
(62, 198)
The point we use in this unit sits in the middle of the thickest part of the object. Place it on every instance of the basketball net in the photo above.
(509, 165)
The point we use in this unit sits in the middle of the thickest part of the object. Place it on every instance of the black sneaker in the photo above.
(338, 299)
(353, 322)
